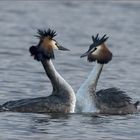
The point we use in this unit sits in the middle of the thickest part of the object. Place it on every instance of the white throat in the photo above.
(84, 97)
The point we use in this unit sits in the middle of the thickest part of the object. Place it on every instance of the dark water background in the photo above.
(75, 22)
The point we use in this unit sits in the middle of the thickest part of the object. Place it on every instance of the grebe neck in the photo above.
(58, 83)
(60, 87)
(84, 96)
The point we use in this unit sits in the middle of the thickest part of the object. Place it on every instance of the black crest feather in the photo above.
(43, 33)
(98, 41)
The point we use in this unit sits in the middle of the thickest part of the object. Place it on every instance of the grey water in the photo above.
(75, 22)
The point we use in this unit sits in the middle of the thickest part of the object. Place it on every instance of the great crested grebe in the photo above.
(108, 101)
(62, 99)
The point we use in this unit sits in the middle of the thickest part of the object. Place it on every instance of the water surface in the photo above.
(75, 22)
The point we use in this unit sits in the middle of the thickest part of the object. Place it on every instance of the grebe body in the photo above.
(62, 99)
(108, 101)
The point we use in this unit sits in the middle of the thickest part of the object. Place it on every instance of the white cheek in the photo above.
(97, 51)
(55, 47)
(53, 44)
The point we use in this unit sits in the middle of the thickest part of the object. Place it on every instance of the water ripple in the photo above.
(75, 22)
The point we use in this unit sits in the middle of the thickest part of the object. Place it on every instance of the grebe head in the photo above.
(98, 51)
(46, 45)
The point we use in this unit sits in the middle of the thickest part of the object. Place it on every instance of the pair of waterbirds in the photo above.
(63, 98)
